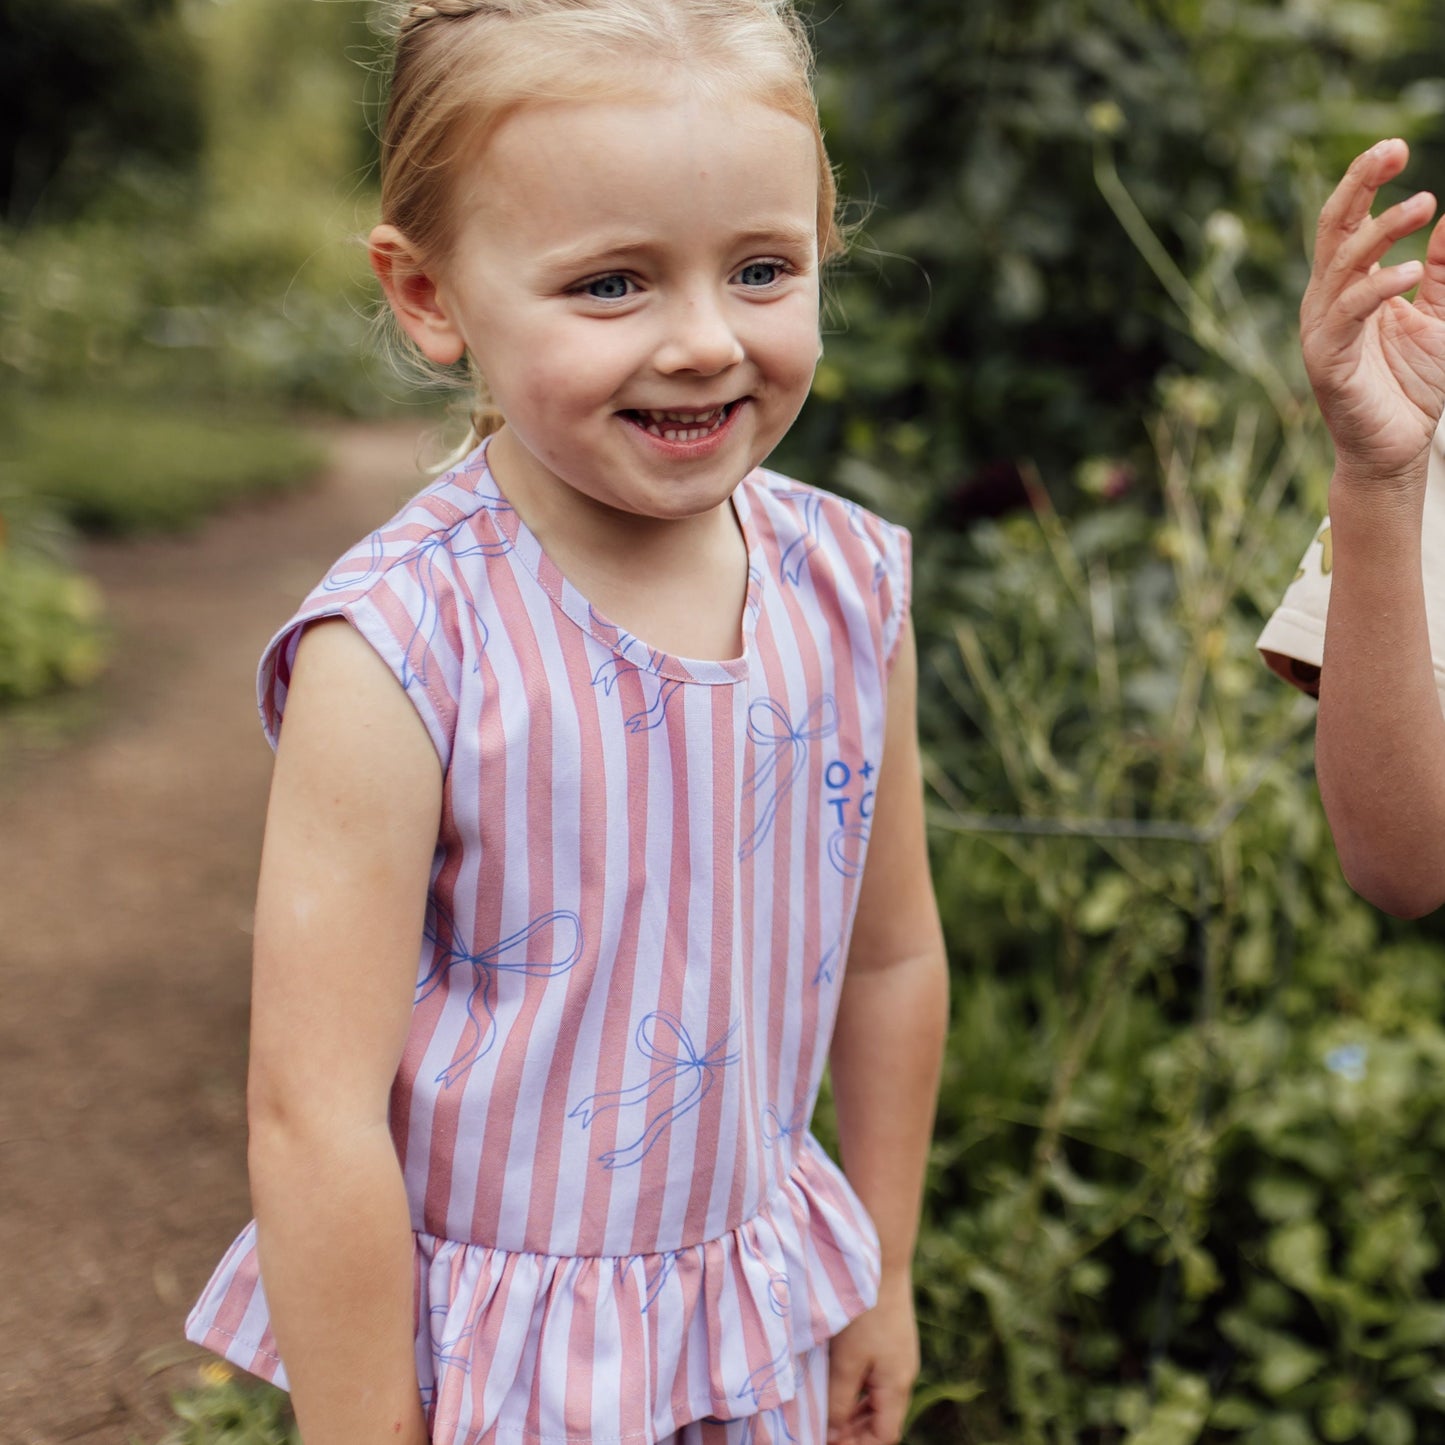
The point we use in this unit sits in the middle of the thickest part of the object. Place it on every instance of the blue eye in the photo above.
(609, 288)
(760, 273)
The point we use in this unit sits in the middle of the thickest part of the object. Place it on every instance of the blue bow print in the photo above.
(753, 1388)
(678, 1061)
(642, 721)
(448, 1352)
(777, 769)
(421, 563)
(481, 1020)
(776, 1128)
(797, 552)
(653, 1283)
(847, 849)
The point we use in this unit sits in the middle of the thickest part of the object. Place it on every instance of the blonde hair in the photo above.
(461, 67)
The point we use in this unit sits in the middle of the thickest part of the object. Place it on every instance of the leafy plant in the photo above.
(1185, 1184)
(49, 627)
(120, 467)
(225, 1409)
(92, 97)
(237, 275)
(990, 310)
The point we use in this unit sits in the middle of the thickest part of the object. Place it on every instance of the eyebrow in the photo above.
(785, 235)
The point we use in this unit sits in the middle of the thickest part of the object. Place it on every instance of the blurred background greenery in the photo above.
(1187, 1174)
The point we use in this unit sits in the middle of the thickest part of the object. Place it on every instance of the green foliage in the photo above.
(1183, 1188)
(49, 627)
(115, 466)
(94, 98)
(282, 93)
(990, 310)
(248, 280)
(189, 310)
(1185, 1181)
(50, 630)
(227, 1410)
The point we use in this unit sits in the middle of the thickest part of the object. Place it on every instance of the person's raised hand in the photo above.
(1376, 361)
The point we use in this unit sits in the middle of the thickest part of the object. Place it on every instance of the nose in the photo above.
(699, 338)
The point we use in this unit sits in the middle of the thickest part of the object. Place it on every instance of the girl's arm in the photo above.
(886, 1054)
(350, 834)
(1377, 364)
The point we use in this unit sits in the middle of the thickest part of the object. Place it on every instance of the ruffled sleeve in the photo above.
(397, 589)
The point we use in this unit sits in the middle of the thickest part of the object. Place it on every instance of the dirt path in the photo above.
(127, 864)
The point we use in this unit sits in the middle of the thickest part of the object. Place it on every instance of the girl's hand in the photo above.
(1376, 361)
(871, 1369)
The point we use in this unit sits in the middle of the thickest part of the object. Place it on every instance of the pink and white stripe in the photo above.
(640, 907)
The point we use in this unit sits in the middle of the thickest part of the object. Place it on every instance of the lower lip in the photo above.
(691, 451)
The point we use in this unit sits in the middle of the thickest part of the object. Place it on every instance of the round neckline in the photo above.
(631, 649)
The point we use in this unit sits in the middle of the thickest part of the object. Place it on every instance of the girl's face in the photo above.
(638, 284)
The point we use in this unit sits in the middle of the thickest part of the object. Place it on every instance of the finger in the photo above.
(1332, 337)
(1360, 301)
(1362, 252)
(846, 1373)
(1370, 243)
(1350, 202)
(1432, 288)
(1324, 309)
(889, 1408)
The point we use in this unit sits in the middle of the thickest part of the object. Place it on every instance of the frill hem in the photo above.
(562, 1350)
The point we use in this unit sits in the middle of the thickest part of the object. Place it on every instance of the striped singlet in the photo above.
(640, 907)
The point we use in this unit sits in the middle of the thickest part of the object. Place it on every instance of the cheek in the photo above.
(575, 367)
(793, 343)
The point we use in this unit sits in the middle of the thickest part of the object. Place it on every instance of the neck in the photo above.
(678, 584)
(581, 533)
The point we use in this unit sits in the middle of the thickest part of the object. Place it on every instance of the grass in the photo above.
(226, 1408)
(49, 627)
(114, 467)
(117, 467)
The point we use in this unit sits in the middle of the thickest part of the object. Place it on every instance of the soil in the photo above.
(128, 856)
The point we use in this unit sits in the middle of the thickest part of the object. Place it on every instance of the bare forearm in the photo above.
(886, 1056)
(337, 1260)
(1380, 748)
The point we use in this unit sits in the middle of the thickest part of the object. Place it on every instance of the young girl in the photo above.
(596, 827)
(1377, 364)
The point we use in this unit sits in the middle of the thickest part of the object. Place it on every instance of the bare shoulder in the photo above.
(346, 714)
(354, 764)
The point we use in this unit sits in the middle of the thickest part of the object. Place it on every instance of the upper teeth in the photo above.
(682, 426)
(697, 418)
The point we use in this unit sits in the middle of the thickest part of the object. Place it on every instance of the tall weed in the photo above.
(1185, 1185)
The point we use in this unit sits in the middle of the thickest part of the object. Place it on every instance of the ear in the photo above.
(414, 296)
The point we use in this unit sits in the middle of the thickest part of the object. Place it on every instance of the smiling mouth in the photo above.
(681, 426)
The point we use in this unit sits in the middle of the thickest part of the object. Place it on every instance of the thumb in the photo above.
(847, 1371)
(1431, 295)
